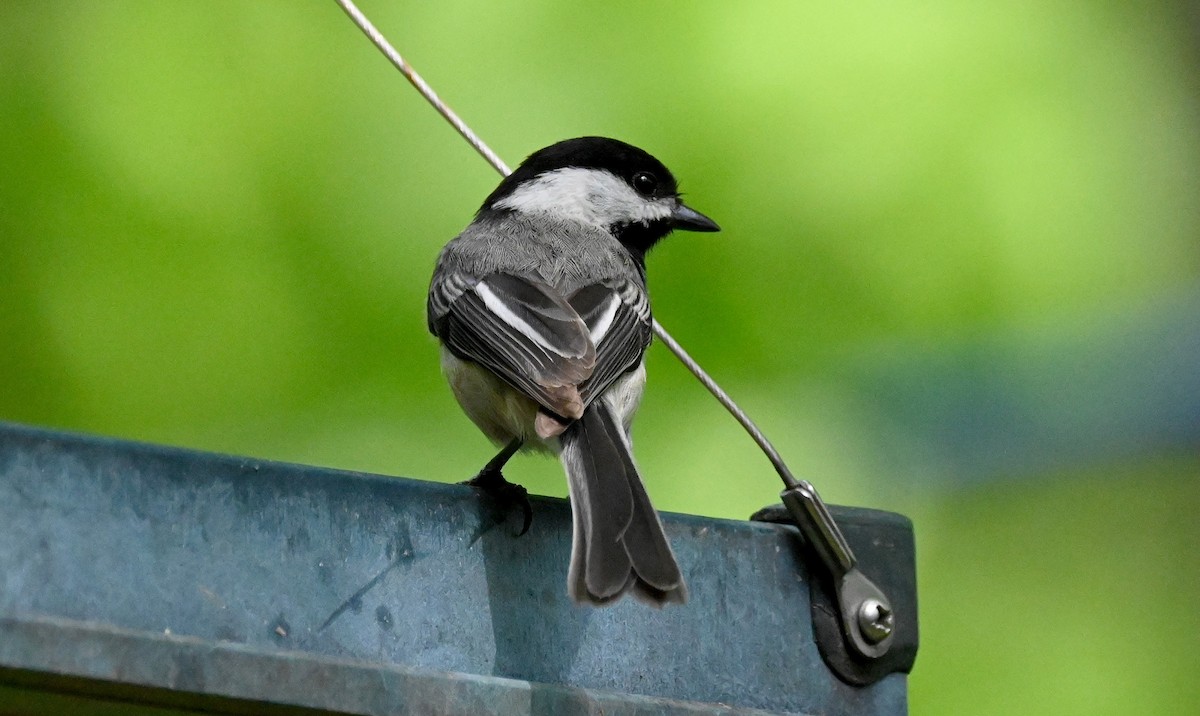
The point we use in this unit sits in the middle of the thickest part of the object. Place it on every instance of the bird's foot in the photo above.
(506, 493)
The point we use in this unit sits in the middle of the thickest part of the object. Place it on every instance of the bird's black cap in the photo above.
(648, 177)
(612, 155)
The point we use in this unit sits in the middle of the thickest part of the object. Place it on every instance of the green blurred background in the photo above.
(959, 276)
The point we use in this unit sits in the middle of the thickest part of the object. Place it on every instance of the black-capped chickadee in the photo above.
(541, 308)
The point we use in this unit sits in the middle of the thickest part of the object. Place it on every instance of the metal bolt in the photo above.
(875, 620)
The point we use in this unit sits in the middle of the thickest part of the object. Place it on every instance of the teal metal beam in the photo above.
(170, 577)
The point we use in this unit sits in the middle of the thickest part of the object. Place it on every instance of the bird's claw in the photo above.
(492, 482)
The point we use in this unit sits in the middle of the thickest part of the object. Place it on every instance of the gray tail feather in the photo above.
(618, 543)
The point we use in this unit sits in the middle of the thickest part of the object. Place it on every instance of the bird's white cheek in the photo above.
(588, 195)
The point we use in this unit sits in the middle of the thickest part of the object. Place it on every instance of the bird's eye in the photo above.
(645, 183)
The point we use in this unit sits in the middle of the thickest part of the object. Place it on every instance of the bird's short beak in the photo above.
(688, 219)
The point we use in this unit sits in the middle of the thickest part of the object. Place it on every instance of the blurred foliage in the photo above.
(950, 229)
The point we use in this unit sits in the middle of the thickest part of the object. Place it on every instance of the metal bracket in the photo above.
(864, 627)
(866, 614)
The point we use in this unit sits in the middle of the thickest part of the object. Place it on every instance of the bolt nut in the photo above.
(875, 620)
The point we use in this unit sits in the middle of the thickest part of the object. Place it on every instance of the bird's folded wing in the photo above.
(617, 315)
(521, 329)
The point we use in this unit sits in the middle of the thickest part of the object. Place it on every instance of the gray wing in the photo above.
(617, 315)
(521, 329)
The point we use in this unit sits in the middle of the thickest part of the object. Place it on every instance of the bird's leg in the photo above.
(496, 464)
(491, 480)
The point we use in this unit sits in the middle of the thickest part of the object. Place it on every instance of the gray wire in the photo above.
(473, 139)
(422, 86)
(723, 398)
